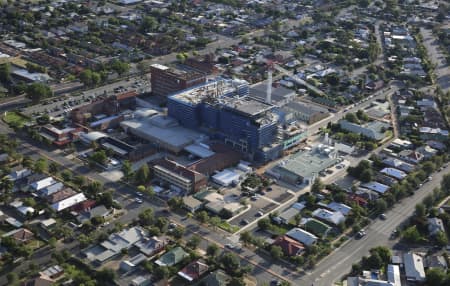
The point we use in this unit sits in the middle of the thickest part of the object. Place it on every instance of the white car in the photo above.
(138, 200)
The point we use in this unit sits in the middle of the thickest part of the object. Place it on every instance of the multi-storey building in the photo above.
(167, 80)
(224, 110)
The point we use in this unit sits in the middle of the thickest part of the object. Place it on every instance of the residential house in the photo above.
(438, 134)
(42, 183)
(302, 236)
(288, 215)
(20, 235)
(216, 278)
(435, 225)
(54, 272)
(68, 202)
(40, 281)
(373, 130)
(414, 267)
(47, 191)
(339, 207)
(193, 271)
(395, 173)
(131, 264)
(172, 257)
(411, 156)
(113, 246)
(19, 174)
(98, 211)
(333, 217)
(151, 246)
(376, 187)
(192, 204)
(398, 164)
(290, 246)
(427, 151)
(436, 261)
(386, 180)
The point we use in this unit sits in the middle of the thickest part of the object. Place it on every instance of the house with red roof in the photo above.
(193, 271)
(290, 247)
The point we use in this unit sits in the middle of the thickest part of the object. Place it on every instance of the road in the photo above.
(436, 56)
(339, 262)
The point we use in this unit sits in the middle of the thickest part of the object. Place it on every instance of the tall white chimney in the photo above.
(269, 87)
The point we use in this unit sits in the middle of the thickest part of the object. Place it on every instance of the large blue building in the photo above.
(224, 110)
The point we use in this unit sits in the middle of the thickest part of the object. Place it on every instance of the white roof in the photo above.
(332, 217)
(393, 275)
(396, 173)
(343, 208)
(24, 210)
(48, 222)
(414, 267)
(43, 183)
(92, 136)
(226, 177)
(302, 236)
(375, 186)
(67, 203)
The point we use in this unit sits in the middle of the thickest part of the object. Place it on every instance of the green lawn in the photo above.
(317, 227)
(13, 118)
(228, 227)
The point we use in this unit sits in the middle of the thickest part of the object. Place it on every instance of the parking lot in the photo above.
(262, 204)
(63, 104)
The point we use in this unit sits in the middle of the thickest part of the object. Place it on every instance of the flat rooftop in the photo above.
(307, 163)
(170, 136)
(181, 74)
(279, 93)
(247, 105)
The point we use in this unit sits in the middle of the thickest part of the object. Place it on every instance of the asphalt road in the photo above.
(442, 70)
(339, 262)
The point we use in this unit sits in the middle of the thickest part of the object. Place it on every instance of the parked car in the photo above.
(383, 216)
(361, 233)
(138, 200)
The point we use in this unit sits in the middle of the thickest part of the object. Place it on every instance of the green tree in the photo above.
(5, 73)
(202, 216)
(175, 203)
(230, 263)
(366, 176)
(99, 157)
(436, 277)
(421, 211)
(146, 217)
(380, 205)
(161, 272)
(374, 261)
(142, 175)
(37, 91)
(148, 24)
(317, 186)
(41, 165)
(411, 234)
(120, 67)
(127, 170)
(351, 117)
(246, 237)
(276, 252)
(178, 232)
(212, 250)
(66, 175)
(193, 242)
(441, 238)
(264, 223)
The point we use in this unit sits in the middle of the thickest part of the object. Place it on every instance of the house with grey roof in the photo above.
(172, 257)
(112, 247)
(373, 130)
